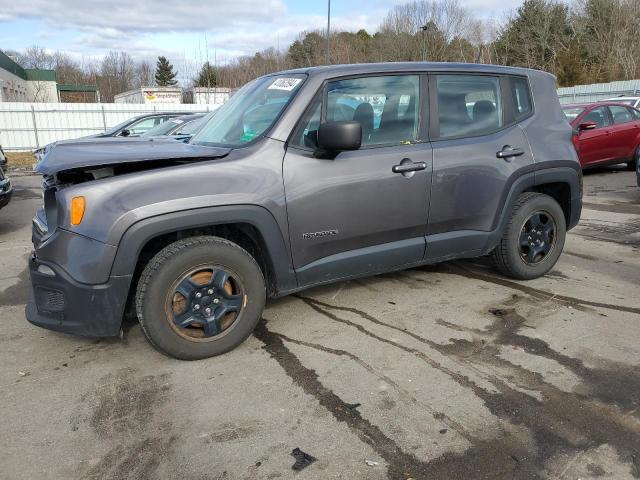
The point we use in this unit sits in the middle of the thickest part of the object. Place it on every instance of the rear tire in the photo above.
(533, 239)
(209, 273)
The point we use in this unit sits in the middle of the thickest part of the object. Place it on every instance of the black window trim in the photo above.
(423, 108)
(509, 118)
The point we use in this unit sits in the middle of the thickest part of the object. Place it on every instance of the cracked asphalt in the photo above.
(443, 372)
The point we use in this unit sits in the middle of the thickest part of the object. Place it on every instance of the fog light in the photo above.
(45, 270)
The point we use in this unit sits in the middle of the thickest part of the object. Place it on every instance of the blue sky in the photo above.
(188, 30)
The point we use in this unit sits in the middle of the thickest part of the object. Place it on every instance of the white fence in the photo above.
(598, 91)
(27, 126)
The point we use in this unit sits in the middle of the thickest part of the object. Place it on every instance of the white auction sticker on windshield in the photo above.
(285, 84)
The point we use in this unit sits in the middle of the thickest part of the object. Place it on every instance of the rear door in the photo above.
(595, 146)
(623, 132)
(477, 146)
(353, 214)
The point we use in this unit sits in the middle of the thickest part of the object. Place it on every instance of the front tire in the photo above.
(533, 239)
(200, 297)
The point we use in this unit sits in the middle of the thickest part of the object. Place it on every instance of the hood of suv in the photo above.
(86, 153)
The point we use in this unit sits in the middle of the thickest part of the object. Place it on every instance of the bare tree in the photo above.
(117, 73)
(143, 74)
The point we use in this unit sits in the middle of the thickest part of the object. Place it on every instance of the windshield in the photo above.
(250, 112)
(572, 113)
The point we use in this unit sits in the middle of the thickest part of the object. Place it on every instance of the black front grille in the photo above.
(49, 300)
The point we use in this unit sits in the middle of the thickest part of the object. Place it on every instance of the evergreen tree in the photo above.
(208, 77)
(165, 76)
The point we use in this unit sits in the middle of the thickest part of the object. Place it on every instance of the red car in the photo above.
(605, 133)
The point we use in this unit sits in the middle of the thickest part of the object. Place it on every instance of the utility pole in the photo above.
(328, 30)
(424, 41)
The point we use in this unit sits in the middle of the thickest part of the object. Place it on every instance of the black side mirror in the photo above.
(336, 137)
(125, 133)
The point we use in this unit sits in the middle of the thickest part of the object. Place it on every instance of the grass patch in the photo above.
(20, 159)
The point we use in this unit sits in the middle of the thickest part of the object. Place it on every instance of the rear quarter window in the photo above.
(521, 97)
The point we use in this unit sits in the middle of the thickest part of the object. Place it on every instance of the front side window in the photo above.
(250, 112)
(386, 107)
(468, 105)
(598, 116)
(142, 126)
(620, 114)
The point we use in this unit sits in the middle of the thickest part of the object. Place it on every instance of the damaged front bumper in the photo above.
(57, 302)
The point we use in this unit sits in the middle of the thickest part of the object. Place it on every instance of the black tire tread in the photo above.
(159, 260)
(499, 255)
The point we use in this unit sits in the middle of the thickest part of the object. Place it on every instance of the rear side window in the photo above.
(620, 114)
(468, 105)
(635, 113)
(521, 95)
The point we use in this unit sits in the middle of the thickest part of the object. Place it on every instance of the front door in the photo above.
(352, 214)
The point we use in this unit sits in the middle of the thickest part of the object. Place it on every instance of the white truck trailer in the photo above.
(146, 95)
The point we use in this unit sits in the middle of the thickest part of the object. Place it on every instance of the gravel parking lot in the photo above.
(445, 372)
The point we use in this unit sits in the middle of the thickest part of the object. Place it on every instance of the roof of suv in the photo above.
(363, 68)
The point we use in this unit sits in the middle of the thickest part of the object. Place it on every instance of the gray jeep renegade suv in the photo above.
(302, 178)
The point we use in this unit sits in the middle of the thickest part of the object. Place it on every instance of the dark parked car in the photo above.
(138, 125)
(5, 189)
(132, 127)
(605, 133)
(179, 128)
(303, 178)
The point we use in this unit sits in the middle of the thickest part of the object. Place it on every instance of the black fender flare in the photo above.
(568, 172)
(141, 232)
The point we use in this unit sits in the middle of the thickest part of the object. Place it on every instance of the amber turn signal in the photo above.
(77, 210)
